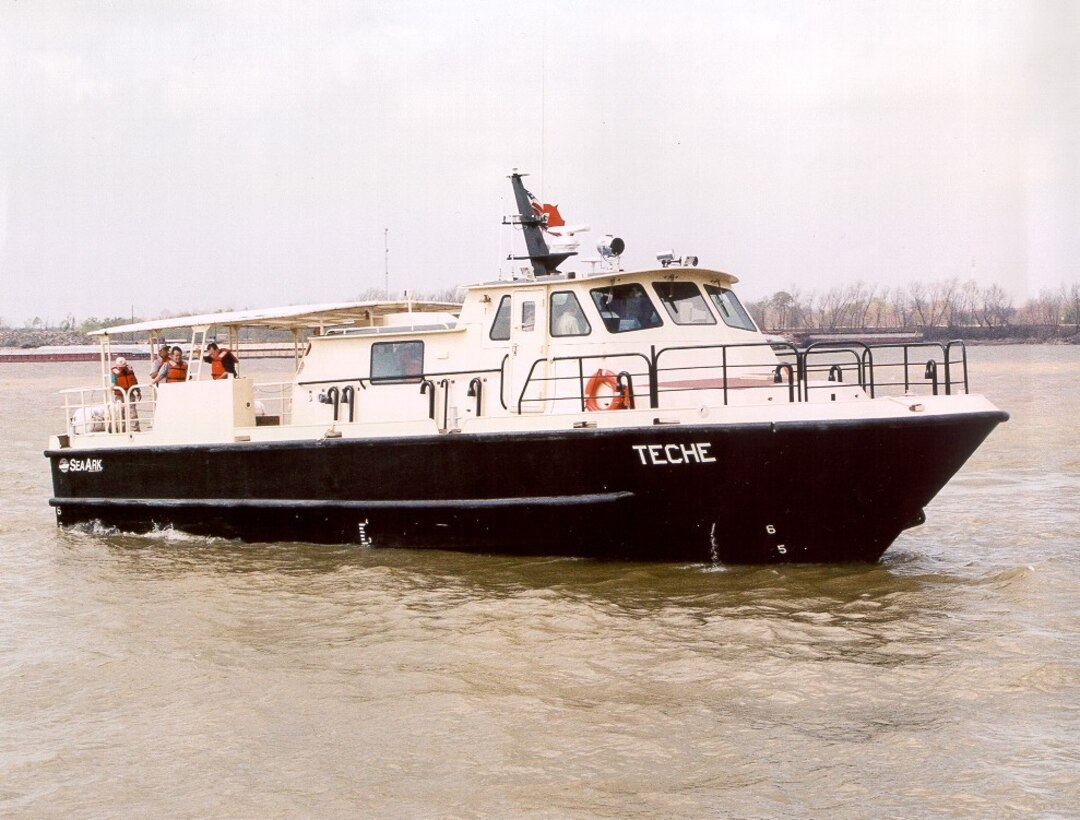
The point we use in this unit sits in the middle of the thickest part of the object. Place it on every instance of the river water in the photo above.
(172, 676)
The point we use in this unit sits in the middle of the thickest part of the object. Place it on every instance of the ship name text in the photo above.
(652, 454)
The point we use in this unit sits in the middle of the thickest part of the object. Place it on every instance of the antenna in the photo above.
(386, 262)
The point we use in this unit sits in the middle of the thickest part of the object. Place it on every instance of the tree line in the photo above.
(918, 306)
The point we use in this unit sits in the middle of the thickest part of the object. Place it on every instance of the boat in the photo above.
(595, 413)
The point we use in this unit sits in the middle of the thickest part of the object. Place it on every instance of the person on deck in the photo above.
(174, 370)
(222, 361)
(125, 392)
(161, 358)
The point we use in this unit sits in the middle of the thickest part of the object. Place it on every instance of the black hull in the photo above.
(755, 493)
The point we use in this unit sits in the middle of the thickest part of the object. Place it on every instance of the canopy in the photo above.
(297, 317)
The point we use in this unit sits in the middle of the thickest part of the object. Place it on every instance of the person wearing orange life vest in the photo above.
(222, 361)
(174, 370)
(125, 392)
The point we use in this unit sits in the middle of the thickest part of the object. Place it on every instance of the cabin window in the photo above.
(625, 307)
(684, 303)
(397, 362)
(730, 308)
(528, 316)
(567, 317)
(500, 328)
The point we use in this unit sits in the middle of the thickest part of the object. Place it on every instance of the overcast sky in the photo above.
(201, 155)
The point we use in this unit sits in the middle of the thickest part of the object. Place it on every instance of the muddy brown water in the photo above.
(172, 676)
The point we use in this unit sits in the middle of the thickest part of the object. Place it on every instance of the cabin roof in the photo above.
(296, 317)
(604, 277)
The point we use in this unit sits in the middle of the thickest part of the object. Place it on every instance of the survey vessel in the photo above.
(600, 412)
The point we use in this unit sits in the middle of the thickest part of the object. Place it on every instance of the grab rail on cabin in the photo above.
(427, 381)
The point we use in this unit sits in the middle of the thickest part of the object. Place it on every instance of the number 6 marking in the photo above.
(770, 529)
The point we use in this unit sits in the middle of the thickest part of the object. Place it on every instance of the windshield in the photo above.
(730, 308)
(625, 307)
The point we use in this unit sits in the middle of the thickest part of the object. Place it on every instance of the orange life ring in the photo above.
(605, 378)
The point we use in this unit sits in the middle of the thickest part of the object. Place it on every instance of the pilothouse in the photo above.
(600, 413)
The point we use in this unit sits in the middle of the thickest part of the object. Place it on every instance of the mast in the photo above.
(533, 218)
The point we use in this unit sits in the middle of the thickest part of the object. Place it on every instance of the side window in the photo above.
(500, 328)
(625, 307)
(567, 317)
(684, 303)
(528, 316)
(397, 362)
(730, 308)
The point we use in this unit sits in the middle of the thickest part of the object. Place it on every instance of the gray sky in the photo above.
(203, 155)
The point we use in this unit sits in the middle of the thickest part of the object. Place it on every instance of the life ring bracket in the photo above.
(621, 394)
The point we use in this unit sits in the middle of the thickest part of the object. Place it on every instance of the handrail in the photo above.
(948, 364)
(931, 365)
(110, 410)
(580, 377)
(107, 410)
(765, 366)
(348, 396)
(428, 386)
(864, 364)
(445, 385)
(476, 390)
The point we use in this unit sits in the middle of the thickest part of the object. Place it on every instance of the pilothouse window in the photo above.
(567, 317)
(500, 328)
(730, 308)
(684, 303)
(625, 307)
(397, 362)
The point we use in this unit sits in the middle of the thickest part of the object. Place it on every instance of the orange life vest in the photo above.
(176, 372)
(123, 380)
(217, 369)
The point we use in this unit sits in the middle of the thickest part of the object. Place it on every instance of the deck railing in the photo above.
(727, 369)
(562, 383)
(107, 411)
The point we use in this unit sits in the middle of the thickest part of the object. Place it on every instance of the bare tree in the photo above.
(942, 301)
(903, 305)
(995, 306)
(1046, 310)
(881, 309)
(1072, 306)
(782, 304)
